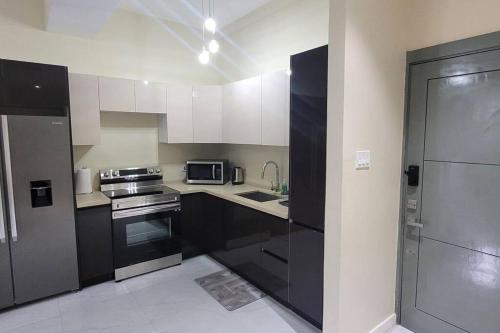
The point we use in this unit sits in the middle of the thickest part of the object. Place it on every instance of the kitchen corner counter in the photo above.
(229, 191)
(92, 199)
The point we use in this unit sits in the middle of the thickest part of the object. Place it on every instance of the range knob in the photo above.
(150, 171)
(158, 170)
(106, 174)
(116, 173)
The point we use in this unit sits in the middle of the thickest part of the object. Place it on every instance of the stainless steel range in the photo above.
(146, 220)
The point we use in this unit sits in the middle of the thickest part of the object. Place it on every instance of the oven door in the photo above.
(146, 233)
(204, 173)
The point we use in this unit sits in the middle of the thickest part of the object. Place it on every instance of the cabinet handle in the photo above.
(275, 256)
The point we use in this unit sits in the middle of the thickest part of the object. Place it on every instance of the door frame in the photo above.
(468, 46)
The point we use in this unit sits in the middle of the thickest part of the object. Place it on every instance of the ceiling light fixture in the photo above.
(204, 56)
(213, 46)
(210, 25)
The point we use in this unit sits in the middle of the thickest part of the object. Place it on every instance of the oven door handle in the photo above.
(150, 210)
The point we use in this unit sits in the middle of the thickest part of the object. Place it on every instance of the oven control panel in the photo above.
(130, 173)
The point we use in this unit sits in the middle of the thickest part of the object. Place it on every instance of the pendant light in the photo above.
(210, 25)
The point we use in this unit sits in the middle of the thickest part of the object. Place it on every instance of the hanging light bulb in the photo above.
(210, 24)
(204, 56)
(213, 46)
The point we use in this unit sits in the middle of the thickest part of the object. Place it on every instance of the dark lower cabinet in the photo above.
(192, 225)
(95, 244)
(275, 256)
(306, 272)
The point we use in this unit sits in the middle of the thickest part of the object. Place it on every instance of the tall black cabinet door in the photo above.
(308, 136)
(306, 272)
(192, 225)
(95, 244)
(32, 85)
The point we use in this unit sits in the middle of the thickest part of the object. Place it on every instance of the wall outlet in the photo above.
(362, 159)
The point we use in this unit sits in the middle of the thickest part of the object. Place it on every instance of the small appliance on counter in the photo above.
(208, 172)
(146, 220)
(83, 181)
(238, 176)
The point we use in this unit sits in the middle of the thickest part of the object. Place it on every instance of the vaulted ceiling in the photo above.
(86, 18)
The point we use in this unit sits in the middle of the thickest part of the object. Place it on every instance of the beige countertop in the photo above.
(92, 199)
(229, 191)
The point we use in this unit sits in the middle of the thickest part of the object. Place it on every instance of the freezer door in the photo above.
(306, 272)
(6, 290)
(44, 254)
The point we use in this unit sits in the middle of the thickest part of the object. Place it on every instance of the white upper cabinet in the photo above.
(178, 125)
(207, 114)
(275, 108)
(241, 112)
(150, 97)
(85, 116)
(116, 94)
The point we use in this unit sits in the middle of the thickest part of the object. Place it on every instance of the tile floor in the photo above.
(399, 329)
(166, 301)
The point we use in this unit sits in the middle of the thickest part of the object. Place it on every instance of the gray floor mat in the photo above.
(230, 290)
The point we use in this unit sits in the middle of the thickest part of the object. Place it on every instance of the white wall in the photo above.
(433, 22)
(131, 46)
(264, 40)
(366, 93)
(252, 158)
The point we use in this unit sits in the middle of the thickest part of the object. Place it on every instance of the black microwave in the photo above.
(211, 172)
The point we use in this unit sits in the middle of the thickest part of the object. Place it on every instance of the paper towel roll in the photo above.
(83, 181)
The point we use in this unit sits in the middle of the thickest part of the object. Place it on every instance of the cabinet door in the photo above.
(306, 272)
(150, 97)
(192, 217)
(243, 238)
(241, 112)
(179, 114)
(274, 257)
(275, 108)
(32, 85)
(214, 210)
(207, 114)
(85, 116)
(95, 244)
(116, 94)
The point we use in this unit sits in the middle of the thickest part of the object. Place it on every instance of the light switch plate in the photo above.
(362, 159)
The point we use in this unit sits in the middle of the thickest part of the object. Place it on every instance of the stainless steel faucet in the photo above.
(276, 186)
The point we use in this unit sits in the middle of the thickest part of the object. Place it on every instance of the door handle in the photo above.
(213, 172)
(8, 178)
(413, 222)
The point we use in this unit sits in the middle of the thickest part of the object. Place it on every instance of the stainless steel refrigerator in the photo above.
(38, 252)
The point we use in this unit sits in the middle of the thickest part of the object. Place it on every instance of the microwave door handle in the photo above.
(213, 171)
(8, 178)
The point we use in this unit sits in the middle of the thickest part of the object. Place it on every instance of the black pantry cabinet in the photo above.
(95, 244)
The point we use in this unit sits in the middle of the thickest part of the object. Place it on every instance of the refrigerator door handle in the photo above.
(8, 178)
(2, 221)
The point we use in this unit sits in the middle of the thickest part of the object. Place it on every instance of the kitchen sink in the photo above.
(284, 203)
(259, 196)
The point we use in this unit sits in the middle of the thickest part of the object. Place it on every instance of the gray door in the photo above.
(451, 251)
(44, 256)
(6, 290)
